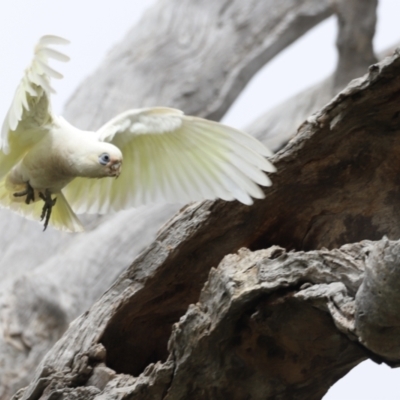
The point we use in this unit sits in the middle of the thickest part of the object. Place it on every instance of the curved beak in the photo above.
(115, 168)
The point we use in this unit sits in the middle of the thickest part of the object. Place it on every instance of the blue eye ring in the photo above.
(104, 159)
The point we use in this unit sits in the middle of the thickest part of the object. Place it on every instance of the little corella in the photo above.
(50, 170)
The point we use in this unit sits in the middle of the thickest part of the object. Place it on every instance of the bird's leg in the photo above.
(29, 192)
(47, 207)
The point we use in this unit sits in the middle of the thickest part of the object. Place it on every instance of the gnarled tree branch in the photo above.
(336, 183)
(199, 58)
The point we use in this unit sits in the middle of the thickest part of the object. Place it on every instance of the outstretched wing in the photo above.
(30, 110)
(170, 157)
(62, 216)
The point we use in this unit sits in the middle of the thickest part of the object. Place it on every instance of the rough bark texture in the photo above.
(377, 301)
(37, 307)
(194, 56)
(344, 156)
(283, 324)
(356, 20)
(61, 275)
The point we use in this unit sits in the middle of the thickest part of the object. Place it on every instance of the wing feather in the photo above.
(47, 40)
(220, 176)
(207, 171)
(171, 157)
(246, 161)
(173, 187)
(224, 168)
(184, 173)
(30, 111)
(47, 52)
(46, 69)
(62, 217)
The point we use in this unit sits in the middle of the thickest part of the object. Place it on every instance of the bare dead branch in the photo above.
(377, 302)
(195, 57)
(172, 58)
(337, 183)
(357, 21)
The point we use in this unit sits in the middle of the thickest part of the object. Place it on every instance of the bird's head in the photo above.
(111, 162)
(103, 160)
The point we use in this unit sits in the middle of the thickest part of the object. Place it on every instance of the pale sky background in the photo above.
(94, 26)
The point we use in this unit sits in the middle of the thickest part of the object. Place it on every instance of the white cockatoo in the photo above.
(50, 170)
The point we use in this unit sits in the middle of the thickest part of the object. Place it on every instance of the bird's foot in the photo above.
(28, 192)
(47, 207)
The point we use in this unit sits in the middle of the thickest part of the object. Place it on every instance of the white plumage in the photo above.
(166, 156)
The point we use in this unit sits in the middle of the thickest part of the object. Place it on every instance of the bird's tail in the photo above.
(62, 216)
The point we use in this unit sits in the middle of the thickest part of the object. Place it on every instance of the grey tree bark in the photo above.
(127, 330)
(356, 22)
(280, 324)
(91, 263)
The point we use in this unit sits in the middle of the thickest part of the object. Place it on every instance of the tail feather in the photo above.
(62, 216)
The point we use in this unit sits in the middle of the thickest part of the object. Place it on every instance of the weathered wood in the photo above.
(196, 57)
(377, 302)
(212, 50)
(336, 183)
(263, 321)
(37, 307)
(277, 126)
(138, 54)
(356, 20)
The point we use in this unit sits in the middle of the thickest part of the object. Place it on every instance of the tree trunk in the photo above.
(194, 56)
(357, 20)
(127, 330)
(279, 323)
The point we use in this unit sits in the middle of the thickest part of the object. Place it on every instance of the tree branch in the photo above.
(356, 27)
(336, 183)
(186, 42)
(378, 301)
(357, 21)
(173, 57)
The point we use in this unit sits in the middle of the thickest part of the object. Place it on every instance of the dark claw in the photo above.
(29, 192)
(49, 203)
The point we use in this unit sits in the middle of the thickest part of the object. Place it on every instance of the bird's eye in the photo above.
(104, 159)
